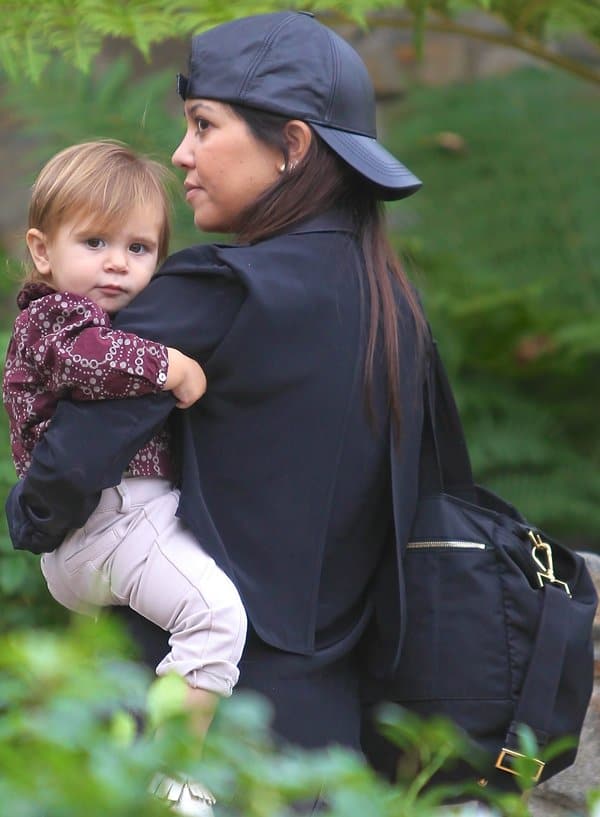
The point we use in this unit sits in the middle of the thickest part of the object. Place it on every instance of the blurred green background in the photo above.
(502, 241)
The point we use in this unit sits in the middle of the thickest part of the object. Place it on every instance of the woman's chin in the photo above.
(208, 225)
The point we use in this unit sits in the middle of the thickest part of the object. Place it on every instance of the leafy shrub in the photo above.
(83, 730)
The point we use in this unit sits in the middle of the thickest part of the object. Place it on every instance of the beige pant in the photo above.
(134, 551)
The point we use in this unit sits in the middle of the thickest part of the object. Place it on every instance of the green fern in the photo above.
(76, 29)
(503, 239)
(66, 107)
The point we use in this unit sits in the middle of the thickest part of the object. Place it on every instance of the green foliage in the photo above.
(92, 106)
(431, 745)
(66, 107)
(503, 241)
(24, 597)
(34, 31)
(23, 594)
(63, 748)
(83, 731)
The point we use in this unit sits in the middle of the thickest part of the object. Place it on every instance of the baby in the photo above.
(98, 227)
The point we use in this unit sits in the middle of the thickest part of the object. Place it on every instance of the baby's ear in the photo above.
(37, 243)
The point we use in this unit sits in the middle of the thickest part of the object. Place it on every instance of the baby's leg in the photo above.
(76, 572)
(162, 573)
(61, 585)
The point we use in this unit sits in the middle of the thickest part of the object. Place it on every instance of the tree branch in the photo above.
(445, 25)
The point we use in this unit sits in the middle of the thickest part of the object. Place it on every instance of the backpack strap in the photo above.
(445, 458)
(536, 703)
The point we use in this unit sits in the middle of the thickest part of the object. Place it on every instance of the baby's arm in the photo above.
(185, 378)
(77, 352)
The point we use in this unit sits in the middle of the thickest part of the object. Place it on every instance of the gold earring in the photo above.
(281, 167)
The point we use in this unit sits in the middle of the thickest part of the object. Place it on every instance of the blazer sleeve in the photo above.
(88, 445)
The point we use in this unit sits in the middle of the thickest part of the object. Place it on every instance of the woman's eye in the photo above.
(94, 243)
(137, 248)
(202, 124)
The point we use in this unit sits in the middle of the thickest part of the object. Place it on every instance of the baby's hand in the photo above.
(185, 378)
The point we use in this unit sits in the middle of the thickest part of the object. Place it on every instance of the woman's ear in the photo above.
(37, 243)
(298, 137)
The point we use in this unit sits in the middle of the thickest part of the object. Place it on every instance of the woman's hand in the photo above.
(185, 378)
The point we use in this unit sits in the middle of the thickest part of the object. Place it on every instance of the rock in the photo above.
(565, 794)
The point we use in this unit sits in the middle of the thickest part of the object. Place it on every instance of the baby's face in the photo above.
(109, 266)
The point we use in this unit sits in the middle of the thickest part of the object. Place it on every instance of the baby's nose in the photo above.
(116, 259)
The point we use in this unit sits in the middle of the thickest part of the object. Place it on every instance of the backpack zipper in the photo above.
(447, 544)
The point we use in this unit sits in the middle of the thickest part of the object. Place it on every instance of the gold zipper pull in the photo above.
(541, 553)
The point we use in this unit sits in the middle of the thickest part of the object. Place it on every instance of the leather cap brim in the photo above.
(373, 161)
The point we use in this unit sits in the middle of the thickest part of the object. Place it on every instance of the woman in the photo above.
(299, 466)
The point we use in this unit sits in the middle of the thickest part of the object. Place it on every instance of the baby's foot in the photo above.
(185, 797)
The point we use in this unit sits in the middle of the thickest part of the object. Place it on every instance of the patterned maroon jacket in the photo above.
(63, 346)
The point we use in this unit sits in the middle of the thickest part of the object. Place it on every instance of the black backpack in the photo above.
(499, 616)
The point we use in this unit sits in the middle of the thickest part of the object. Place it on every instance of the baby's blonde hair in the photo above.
(98, 183)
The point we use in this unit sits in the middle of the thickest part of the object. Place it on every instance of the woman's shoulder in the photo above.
(221, 258)
(199, 259)
(307, 239)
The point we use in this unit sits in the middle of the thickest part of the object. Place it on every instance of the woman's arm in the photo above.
(85, 449)
(88, 445)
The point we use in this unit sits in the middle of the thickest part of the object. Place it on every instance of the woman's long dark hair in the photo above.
(316, 184)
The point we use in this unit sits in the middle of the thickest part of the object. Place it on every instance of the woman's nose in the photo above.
(183, 155)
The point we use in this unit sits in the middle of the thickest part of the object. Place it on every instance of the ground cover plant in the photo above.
(83, 730)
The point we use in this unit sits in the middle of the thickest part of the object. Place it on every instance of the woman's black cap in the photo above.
(290, 64)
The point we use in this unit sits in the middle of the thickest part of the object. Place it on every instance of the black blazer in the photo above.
(283, 480)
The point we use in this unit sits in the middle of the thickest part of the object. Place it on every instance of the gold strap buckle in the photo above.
(541, 553)
(504, 763)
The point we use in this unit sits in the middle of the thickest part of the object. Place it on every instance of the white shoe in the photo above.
(185, 797)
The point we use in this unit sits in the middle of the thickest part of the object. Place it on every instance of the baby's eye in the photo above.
(94, 243)
(137, 248)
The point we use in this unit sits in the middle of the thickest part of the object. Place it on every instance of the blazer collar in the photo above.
(330, 221)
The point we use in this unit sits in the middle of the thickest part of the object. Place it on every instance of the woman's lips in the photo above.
(191, 190)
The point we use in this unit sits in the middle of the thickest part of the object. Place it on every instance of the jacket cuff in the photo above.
(22, 528)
